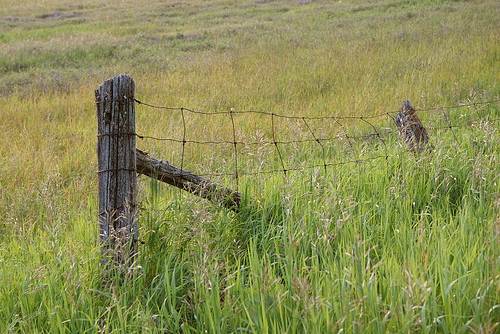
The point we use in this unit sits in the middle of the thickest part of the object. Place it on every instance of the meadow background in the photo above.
(404, 245)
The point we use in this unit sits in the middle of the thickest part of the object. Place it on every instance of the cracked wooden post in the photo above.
(118, 230)
(411, 129)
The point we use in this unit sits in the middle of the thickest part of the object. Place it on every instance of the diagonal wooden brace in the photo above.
(185, 180)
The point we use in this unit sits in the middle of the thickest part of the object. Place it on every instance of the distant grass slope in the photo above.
(403, 245)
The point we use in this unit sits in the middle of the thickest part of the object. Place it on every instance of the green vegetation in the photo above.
(407, 244)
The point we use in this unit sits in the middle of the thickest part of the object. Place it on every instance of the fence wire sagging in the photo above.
(289, 139)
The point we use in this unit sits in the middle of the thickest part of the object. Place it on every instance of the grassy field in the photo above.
(408, 244)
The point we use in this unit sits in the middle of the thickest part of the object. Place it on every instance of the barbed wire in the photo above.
(379, 134)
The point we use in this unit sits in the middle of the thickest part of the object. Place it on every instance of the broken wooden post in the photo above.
(165, 172)
(116, 141)
(411, 129)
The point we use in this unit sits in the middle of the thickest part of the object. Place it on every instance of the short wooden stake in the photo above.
(411, 129)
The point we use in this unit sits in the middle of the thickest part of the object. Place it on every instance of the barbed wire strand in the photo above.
(251, 143)
(326, 139)
(349, 138)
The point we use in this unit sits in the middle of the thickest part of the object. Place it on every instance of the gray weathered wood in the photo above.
(165, 172)
(117, 169)
(411, 129)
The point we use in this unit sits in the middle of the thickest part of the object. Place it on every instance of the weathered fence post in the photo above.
(117, 171)
(411, 129)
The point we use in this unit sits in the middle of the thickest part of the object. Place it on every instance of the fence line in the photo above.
(377, 133)
(119, 160)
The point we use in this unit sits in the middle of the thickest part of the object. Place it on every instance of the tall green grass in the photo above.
(408, 244)
(403, 245)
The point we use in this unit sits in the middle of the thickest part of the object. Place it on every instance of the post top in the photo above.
(407, 107)
(120, 78)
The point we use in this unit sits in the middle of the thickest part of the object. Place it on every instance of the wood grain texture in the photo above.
(116, 142)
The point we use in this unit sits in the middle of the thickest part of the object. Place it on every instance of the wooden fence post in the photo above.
(411, 129)
(118, 230)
